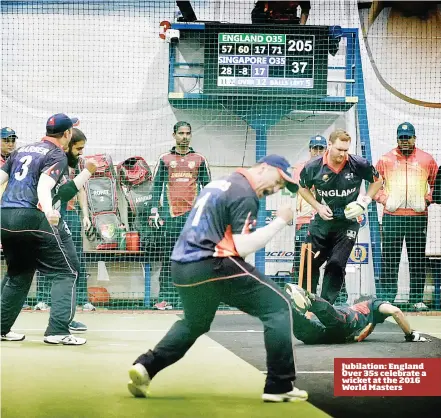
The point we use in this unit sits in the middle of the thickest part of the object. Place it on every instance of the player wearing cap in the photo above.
(32, 236)
(336, 179)
(317, 147)
(178, 178)
(9, 138)
(208, 268)
(409, 177)
(337, 325)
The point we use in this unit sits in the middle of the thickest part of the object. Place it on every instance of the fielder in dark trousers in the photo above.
(342, 324)
(208, 268)
(32, 236)
(336, 178)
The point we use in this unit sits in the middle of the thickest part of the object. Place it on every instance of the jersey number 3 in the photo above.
(199, 205)
(26, 160)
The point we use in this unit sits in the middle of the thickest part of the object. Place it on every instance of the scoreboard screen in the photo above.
(266, 60)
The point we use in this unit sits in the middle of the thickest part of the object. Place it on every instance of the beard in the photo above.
(72, 161)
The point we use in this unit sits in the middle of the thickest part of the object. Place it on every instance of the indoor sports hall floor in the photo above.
(222, 376)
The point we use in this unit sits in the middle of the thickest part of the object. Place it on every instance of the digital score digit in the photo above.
(266, 60)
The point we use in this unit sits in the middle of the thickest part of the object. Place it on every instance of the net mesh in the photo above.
(247, 91)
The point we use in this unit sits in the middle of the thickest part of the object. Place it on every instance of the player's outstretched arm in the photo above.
(249, 243)
(403, 323)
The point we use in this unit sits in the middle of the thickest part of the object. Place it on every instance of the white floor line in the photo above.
(249, 331)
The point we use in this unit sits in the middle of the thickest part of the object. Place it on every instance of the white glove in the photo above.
(357, 208)
(415, 336)
(154, 219)
(86, 223)
(53, 216)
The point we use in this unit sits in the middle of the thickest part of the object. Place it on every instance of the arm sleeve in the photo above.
(433, 170)
(67, 191)
(381, 196)
(158, 183)
(249, 243)
(305, 178)
(367, 171)
(204, 174)
(45, 185)
(437, 188)
(55, 164)
(243, 215)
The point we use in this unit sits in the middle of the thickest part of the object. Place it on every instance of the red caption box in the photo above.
(387, 377)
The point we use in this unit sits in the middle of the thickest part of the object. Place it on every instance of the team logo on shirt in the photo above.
(351, 234)
(325, 177)
(349, 176)
(191, 165)
(173, 164)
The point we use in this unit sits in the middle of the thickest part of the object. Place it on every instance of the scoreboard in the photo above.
(266, 60)
(276, 60)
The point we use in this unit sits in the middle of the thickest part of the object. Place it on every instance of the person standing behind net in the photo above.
(409, 177)
(208, 268)
(179, 175)
(32, 236)
(336, 179)
(317, 147)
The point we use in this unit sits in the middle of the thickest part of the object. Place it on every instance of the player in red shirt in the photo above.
(179, 176)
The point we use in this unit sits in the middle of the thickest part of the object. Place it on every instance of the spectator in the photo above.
(179, 175)
(317, 147)
(9, 138)
(287, 12)
(336, 179)
(409, 177)
(71, 215)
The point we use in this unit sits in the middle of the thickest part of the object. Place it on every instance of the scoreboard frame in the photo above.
(266, 60)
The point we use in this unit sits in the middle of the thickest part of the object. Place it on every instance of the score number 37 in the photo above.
(298, 67)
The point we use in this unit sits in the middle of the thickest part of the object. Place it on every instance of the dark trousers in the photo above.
(73, 222)
(30, 243)
(171, 230)
(329, 328)
(204, 285)
(394, 230)
(333, 242)
(301, 234)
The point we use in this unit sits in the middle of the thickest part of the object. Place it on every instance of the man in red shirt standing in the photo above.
(179, 176)
(409, 177)
(317, 147)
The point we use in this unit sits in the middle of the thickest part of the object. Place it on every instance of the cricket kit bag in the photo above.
(102, 199)
(135, 179)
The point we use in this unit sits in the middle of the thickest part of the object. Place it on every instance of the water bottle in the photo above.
(121, 238)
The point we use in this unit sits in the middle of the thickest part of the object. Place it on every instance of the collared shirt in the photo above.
(337, 187)
(25, 166)
(178, 179)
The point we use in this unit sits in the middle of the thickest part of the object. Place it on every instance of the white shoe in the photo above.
(296, 395)
(140, 380)
(300, 301)
(420, 306)
(41, 306)
(64, 340)
(88, 307)
(13, 336)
